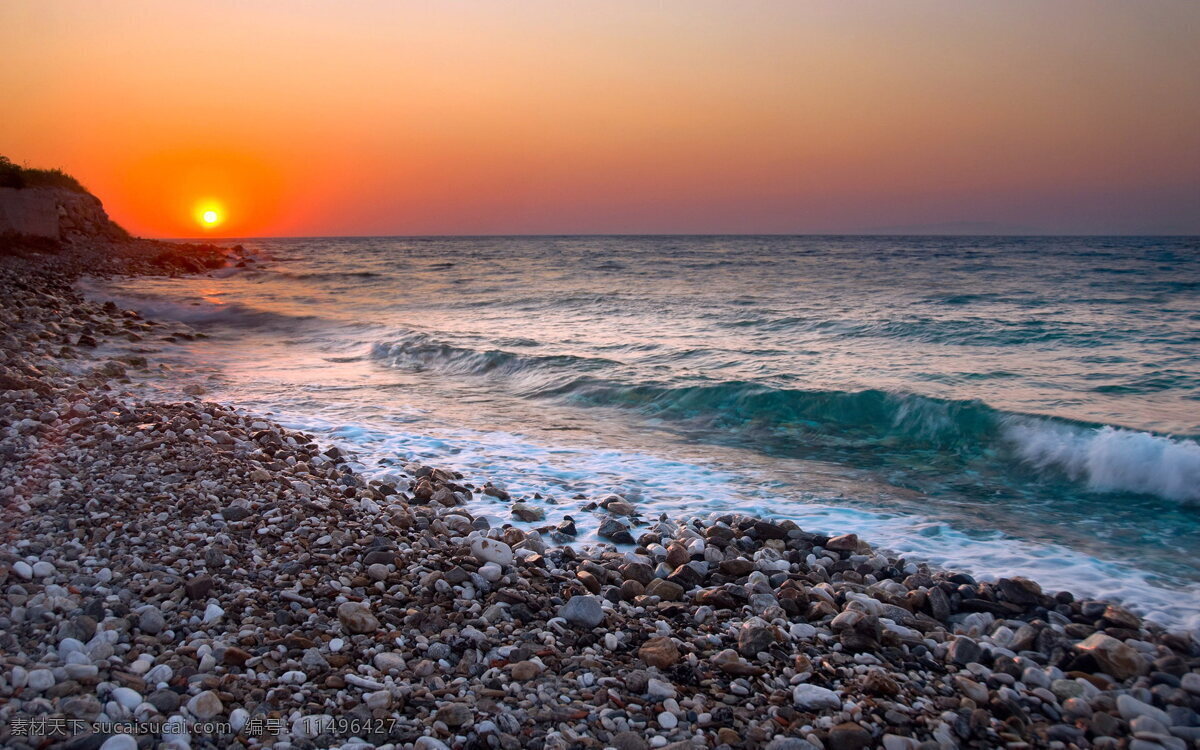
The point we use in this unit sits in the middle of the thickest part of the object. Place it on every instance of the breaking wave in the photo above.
(870, 423)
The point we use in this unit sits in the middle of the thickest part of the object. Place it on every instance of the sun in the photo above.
(209, 214)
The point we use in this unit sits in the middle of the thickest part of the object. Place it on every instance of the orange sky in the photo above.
(357, 117)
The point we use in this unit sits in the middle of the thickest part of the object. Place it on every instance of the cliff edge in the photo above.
(55, 213)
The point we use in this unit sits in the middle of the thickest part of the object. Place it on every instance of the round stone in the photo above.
(584, 611)
(293, 677)
(166, 701)
(238, 718)
(40, 680)
(127, 697)
(159, 673)
(492, 551)
(814, 698)
(356, 617)
(152, 621)
(388, 660)
(205, 706)
(491, 572)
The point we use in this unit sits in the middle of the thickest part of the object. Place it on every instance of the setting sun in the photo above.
(209, 214)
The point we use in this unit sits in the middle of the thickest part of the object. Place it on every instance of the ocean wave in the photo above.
(876, 426)
(867, 416)
(419, 351)
(1103, 458)
(1111, 459)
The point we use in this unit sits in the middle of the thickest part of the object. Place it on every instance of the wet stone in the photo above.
(964, 651)
(615, 531)
(583, 611)
(664, 589)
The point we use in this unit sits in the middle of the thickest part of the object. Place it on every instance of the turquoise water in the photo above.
(1010, 404)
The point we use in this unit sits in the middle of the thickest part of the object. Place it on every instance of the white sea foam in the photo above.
(1109, 459)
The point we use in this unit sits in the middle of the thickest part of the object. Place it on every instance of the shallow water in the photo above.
(1003, 405)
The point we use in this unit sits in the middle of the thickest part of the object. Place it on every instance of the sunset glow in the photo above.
(209, 214)
(477, 117)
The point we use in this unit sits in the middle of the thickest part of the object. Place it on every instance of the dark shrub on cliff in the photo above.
(10, 174)
(16, 176)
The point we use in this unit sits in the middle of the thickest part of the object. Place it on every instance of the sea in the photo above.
(997, 405)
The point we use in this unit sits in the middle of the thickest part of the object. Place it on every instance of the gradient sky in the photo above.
(324, 118)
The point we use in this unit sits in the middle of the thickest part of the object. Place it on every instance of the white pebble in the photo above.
(492, 551)
(127, 697)
(491, 572)
(160, 673)
(212, 613)
(238, 718)
(40, 679)
(293, 677)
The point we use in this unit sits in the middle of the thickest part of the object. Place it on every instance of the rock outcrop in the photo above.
(55, 213)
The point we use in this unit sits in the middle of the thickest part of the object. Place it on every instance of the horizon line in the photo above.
(502, 235)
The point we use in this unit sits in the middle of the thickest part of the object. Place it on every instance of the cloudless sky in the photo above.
(386, 117)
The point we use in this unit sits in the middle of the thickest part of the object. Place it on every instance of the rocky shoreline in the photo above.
(210, 579)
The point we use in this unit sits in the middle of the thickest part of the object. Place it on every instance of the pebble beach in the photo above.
(187, 574)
